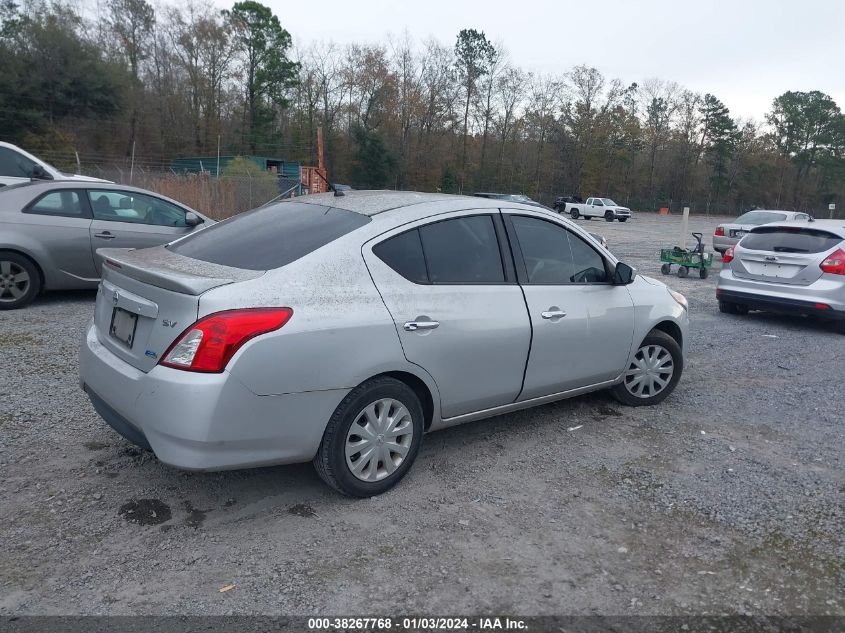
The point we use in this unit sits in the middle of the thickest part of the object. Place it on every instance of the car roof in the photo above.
(372, 203)
(837, 227)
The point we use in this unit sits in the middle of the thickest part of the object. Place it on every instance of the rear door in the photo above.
(783, 254)
(582, 324)
(458, 310)
(126, 219)
(60, 222)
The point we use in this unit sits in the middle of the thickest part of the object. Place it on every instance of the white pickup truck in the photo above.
(598, 208)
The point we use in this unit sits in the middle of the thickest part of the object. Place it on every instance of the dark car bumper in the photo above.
(780, 304)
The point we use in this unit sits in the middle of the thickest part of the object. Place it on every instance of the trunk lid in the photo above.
(149, 297)
(784, 255)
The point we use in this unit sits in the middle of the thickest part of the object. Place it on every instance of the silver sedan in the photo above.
(50, 232)
(340, 329)
(729, 234)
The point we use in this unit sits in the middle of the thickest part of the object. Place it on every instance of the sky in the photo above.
(745, 52)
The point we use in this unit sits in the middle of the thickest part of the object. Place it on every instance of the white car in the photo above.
(17, 166)
(729, 234)
(598, 208)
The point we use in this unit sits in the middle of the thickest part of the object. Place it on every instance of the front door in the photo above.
(457, 307)
(582, 324)
(126, 219)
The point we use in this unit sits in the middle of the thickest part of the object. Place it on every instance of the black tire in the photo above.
(12, 265)
(623, 219)
(330, 460)
(666, 269)
(588, 217)
(703, 272)
(574, 214)
(683, 271)
(608, 216)
(839, 327)
(655, 337)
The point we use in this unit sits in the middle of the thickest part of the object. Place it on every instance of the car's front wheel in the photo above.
(653, 373)
(608, 216)
(372, 438)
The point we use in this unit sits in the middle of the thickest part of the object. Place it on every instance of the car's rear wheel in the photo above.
(574, 214)
(20, 281)
(608, 216)
(372, 439)
(653, 373)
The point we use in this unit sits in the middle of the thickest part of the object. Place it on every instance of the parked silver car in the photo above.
(795, 267)
(50, 232)
(728, 235)
(340, 329)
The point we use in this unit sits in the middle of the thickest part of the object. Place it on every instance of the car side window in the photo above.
(554, 256)
(65, 203)
(14, 165)
(462, 250)
(598, 202)
(404, 254)
(589, 266)
(129, 206)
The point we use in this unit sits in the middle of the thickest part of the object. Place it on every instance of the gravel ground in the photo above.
(727, 498)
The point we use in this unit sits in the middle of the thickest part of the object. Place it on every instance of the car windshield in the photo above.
(760, 217)
(609, 203)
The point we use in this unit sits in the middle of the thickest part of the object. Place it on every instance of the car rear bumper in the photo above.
(722, 243)
(822, 298)
(200, 421)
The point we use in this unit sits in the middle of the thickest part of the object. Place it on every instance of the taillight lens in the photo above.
(720, 231)
(835, 263)
(209, 344)
(728, 255)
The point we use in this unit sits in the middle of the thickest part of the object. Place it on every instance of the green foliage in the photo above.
(50, 71)
(721, 137)
(268, 72)
(240, 167)
(374, 165)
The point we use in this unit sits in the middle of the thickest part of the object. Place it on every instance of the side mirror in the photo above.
(623, 275)
(39, 173)
(192, 219)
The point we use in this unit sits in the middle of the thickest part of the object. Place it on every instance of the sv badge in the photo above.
(168, 323)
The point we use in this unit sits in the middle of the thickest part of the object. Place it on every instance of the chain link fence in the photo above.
(217, 197)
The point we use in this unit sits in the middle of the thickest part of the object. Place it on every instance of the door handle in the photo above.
(105, 235)
(413, 326)
(553, 313)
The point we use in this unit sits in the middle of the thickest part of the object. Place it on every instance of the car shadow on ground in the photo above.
(64, 296)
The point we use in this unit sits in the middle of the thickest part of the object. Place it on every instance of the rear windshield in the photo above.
(779, 239)
(760, 217)
(269, 237)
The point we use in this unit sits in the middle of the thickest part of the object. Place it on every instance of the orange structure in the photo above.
(315, 179)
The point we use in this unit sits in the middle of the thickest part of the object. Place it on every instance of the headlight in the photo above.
(681, 299)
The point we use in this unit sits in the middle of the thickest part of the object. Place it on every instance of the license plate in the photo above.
(739, 233)
(123, 325)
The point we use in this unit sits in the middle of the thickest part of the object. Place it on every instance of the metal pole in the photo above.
(218, 156)
(132, 164)
(78, 166)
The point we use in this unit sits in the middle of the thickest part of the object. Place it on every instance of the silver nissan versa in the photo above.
(340, 329)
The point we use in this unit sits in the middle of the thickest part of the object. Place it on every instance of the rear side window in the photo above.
(458, 251)
(404, 254)
(269, 237)
(780, 239)
(65, 203)
(14, 164)
(463, 251)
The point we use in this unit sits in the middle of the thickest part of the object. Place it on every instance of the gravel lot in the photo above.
(728, 497)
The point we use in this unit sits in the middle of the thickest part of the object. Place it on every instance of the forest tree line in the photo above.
(177, 80)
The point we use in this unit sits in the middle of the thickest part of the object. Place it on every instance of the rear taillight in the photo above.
(720, 231)
(728, 255)
(835, 263)
(209, 344)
